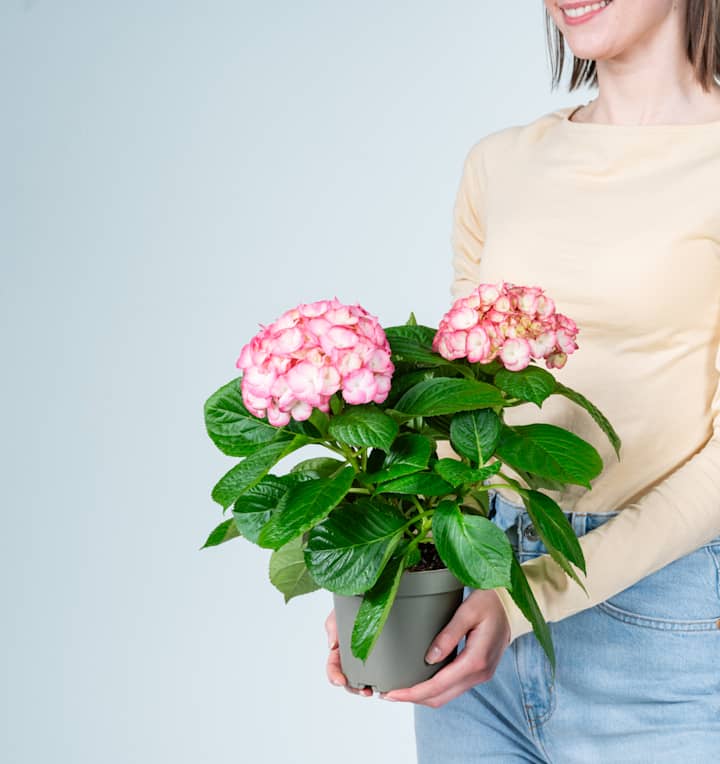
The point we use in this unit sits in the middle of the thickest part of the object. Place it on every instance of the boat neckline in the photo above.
(566, 111)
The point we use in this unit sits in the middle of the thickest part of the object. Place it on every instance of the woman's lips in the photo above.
(574, 20)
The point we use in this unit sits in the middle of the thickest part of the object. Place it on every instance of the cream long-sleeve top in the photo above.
(620, 225)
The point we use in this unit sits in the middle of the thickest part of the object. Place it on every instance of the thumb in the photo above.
(447, 640)
(331, 629)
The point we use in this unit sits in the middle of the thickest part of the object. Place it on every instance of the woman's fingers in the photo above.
(468, 669)
(458, 626)
(482, 618)
(336, 676)
(331, 629)
(333, 667)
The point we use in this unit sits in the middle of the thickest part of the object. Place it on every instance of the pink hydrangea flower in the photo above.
(512, 323)
(304, 357)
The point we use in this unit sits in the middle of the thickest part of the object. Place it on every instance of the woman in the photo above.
(613, 207)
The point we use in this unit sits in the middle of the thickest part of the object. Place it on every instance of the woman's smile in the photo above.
(579, 13)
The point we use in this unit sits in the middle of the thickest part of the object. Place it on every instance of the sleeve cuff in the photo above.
(519, 625)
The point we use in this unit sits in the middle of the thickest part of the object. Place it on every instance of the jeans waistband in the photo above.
(515, 520)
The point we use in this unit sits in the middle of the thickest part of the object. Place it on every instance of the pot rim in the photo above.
(421, 583)
(417, 583)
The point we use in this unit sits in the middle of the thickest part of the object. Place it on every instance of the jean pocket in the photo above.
(682, 596)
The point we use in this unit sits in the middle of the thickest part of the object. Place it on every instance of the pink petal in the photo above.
(556, 360)
(545, 306)
(359, 387)
(301, 411)
(287, 321)
(313, 309)
(515, 354)
(342, 337)
(565, 342)
(462, 318)
(478, 345)
(288, 341)
(277, 418)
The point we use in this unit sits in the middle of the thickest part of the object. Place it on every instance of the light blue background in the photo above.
(172, 174)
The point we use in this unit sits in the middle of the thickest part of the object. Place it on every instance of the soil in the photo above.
(429, 560)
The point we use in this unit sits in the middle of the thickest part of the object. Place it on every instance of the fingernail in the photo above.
(433, 655)
(332, 644)
(338, 683)
(385, 697)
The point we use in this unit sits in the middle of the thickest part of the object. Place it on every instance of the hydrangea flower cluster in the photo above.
(298, 362)
(512, 323)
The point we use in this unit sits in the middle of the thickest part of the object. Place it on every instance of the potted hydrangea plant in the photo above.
(383, 517)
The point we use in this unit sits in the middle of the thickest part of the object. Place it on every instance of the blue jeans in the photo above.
(637, 677)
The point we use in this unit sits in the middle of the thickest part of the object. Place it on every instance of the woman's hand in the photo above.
(481, 617)
(334, 669)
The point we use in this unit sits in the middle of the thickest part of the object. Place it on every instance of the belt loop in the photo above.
(579, 522)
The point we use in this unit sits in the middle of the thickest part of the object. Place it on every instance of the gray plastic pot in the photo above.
(425, 602)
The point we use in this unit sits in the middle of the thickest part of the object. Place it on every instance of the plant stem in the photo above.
(421, 510)
(347, 453)
(416, 542)
(424, 517)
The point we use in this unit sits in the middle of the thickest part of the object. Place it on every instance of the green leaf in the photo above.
(255, 507)
(447, 396)
(304, 505)
(402, 382)
(336, 403)
(490, 369)
(319, 467)
(289, 479)
(419, 484)
(481, 498)
(475, 434)
(364, 426)
(439, 425)
(224, 532)
(456, 473)
(306, 427)
(524, 598)
(375, 608)
(408, 454)
(417, 333)
(600, 419)
(475, 550)
(406, 350)
(550, 452)
(412, 321)
(233, 429)
(412, 344)
(346, 552)
(320, 421)
(556, 532)
(538, 483)
(288, 572)
(412, 557)
(529, 384)
(251, 470)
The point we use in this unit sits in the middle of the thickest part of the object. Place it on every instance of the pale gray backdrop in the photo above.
(171, 174)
